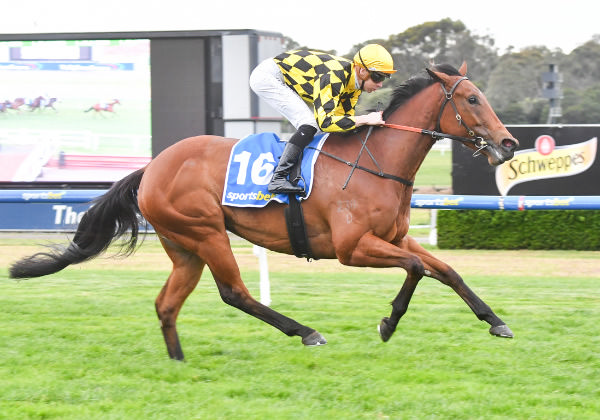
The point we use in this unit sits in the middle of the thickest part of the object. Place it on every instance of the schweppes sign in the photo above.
(546, 160)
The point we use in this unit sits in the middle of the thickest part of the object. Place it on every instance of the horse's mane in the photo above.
(408, 89)
(414, 85)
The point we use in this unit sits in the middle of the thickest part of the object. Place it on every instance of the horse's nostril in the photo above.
(509, 144)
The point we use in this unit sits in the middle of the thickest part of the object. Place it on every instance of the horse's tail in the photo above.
(111, 216)
(89, 109)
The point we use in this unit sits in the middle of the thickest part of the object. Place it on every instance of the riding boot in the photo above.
(279, 183)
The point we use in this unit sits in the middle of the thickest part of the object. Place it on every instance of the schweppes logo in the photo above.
(546, 161)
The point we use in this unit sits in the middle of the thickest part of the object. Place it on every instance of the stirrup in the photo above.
(287, 190)
(285, 187)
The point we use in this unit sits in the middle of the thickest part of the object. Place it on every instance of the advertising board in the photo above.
(551, 160)
(46, 210)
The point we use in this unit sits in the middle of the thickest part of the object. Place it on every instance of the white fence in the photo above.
(41, 145)
(56, 138)
(79, 139)
(443, 145)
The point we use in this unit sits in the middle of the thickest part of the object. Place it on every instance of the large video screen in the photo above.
(74, 111)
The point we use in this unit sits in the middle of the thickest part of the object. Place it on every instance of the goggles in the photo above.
(376, 76)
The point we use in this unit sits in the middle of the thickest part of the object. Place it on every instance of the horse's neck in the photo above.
(410, 148)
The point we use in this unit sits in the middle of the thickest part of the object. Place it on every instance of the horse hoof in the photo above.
(314, 339)
(501, 331)
(384, 329)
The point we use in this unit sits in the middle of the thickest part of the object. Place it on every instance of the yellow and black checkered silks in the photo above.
(327, 82)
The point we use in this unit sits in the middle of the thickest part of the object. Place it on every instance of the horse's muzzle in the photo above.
(500, 152)
(509, 145)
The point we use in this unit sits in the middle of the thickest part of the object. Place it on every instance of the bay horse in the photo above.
(365, 224)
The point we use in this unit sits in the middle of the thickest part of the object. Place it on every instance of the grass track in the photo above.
(85, 343)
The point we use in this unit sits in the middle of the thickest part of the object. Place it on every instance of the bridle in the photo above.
(478, 141)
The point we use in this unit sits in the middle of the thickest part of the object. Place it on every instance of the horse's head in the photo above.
(466, 113)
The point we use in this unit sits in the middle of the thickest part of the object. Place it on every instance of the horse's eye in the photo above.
(473, 100)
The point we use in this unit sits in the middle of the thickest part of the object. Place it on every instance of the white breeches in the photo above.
(267, 82)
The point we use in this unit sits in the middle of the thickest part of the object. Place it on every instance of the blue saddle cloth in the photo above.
(251, 166)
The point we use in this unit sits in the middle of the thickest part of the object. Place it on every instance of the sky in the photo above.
(327, 25)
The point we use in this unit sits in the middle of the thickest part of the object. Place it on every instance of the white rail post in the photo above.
(433, 227)
(265, 286)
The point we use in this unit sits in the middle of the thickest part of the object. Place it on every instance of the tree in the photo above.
(421, 46)
(512, 82)
(582, 106)
(517, 77)
(445, 41)
(581, 68)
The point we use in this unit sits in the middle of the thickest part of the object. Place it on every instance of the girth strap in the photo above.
(294, 218)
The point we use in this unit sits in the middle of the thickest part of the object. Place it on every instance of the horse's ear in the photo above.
(433, 75)
(463, 68)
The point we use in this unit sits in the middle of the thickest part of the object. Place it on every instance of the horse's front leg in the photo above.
(372, 251)
(444, 273)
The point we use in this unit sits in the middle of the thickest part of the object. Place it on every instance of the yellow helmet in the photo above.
(375, 58)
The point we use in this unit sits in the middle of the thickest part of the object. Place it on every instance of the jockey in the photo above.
(318, 91)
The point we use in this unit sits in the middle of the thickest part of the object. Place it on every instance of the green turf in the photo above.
(85, 343)
(434, 177)
(435, 172)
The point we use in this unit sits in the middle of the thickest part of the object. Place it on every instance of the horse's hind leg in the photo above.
(221, 261)
(444, 273)
(187, 269)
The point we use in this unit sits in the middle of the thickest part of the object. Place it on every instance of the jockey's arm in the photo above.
(332, 116)
(372, 118)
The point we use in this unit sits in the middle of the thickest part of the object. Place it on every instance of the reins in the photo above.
(479, 142)
(364, 147)
(362, 168)
(355, 165)
(436, 135)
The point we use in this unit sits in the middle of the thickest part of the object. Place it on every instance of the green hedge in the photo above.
(538, 229)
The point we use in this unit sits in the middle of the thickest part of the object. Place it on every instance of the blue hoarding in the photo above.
(61, 210)
(44, 209)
